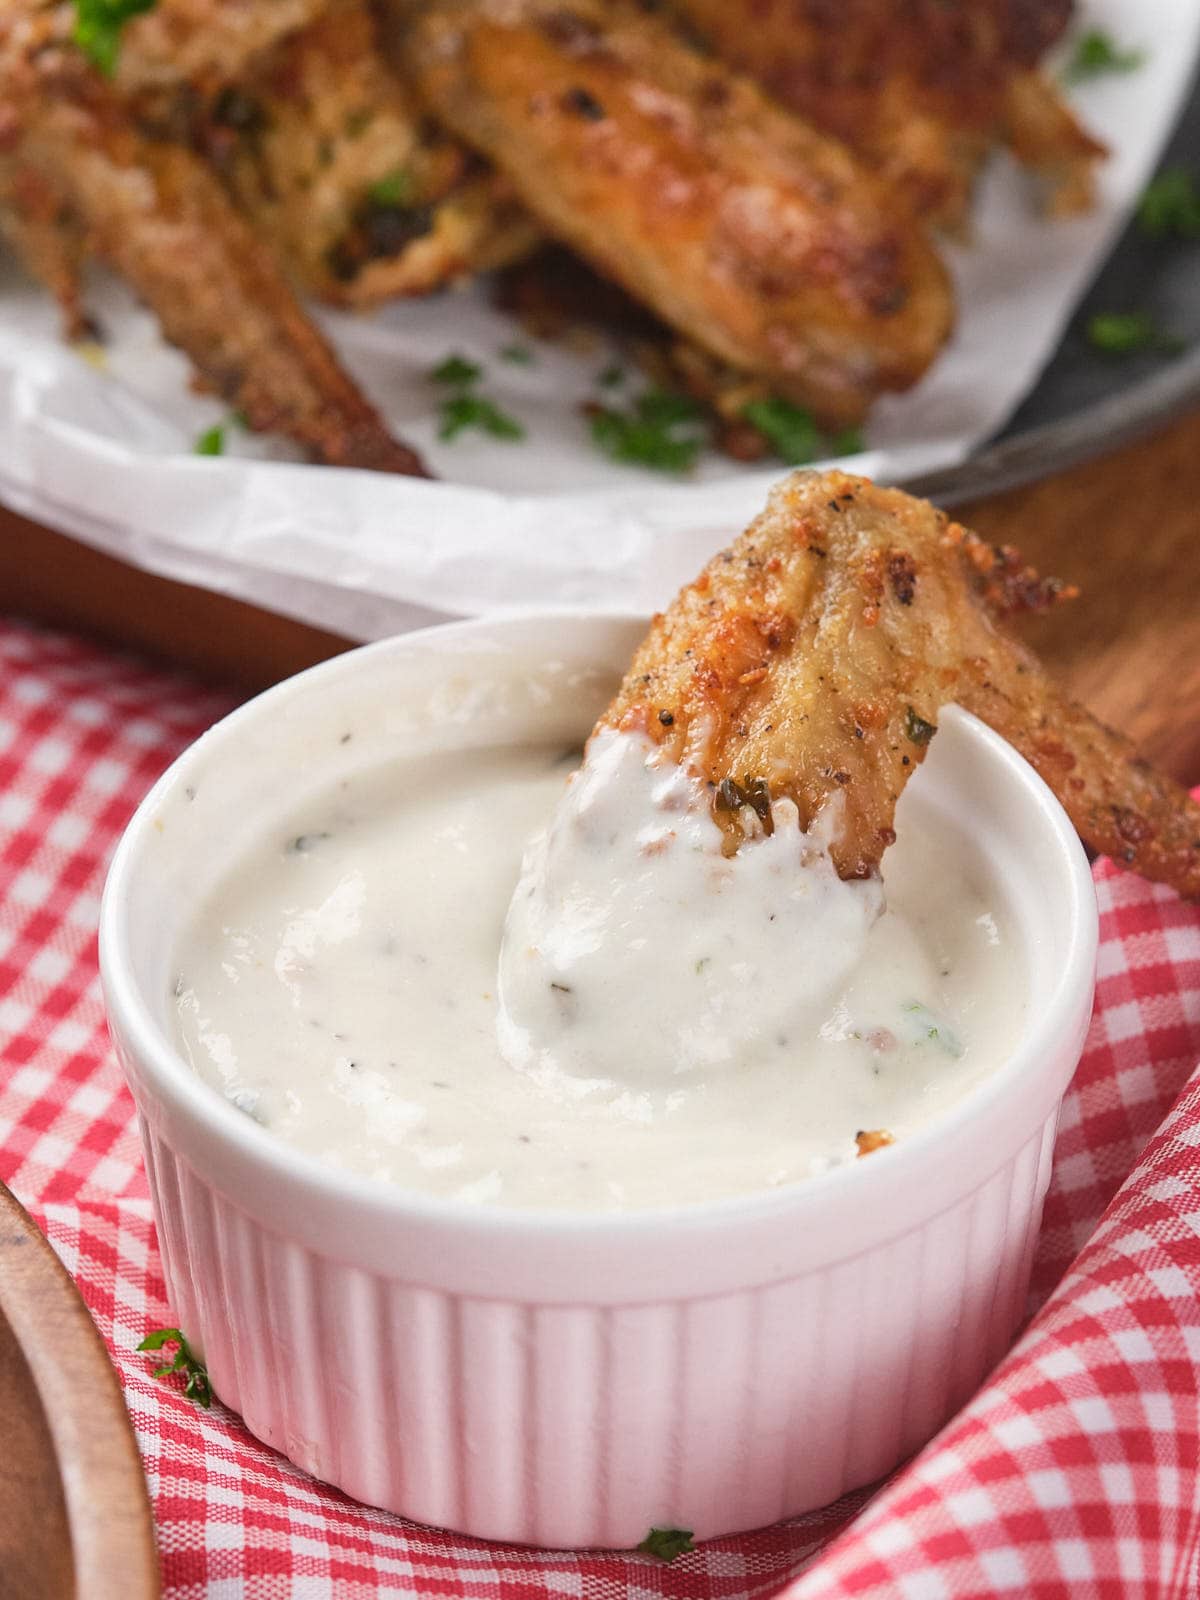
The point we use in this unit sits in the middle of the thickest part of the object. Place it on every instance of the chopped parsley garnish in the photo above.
(667, 1543)
(611, 375)
(462, 411)
(1096, 53)
(917, 729)
(1125, 333)
(197, 1386)
(794, 435)
(456, 371)
(211, 442)
(928, 1027)
(396, 189)
(464, 408)
(662, 430)
(668, 408)
(519, 354)
(97, 29)
(1170, 207)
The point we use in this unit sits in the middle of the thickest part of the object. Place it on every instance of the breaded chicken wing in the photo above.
(204, 43)
(39, 226)
(755, 235)
(921, 91)
(360, 195)
(810, 660)
(156, 213)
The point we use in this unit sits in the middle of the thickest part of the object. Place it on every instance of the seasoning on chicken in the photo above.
(360, 195)
(810, 661)
(755, 235)
(43, 233)
(202, 43)
(921, 91)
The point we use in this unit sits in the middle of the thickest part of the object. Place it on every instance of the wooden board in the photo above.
(75, 1521)
(1126, 528)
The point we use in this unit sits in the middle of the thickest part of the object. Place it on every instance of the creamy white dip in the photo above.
(677, 1025)
(637, 953)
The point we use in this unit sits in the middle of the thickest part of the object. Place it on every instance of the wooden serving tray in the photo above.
(75, 1521)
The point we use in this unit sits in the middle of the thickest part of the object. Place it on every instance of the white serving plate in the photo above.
(554, 1378)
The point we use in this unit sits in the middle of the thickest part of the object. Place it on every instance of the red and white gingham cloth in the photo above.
(1076, 1472)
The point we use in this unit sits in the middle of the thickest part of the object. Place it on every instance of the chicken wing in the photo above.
(338, 168)
(204, 43)
(555, 296)
(38, 224)
(921, 92)
(155, 212)
(740, 225)
(810, 660)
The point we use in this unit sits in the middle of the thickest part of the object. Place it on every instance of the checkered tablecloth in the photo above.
(1076, 1472)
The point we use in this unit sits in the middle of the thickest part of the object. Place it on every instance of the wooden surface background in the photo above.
(1126, 529)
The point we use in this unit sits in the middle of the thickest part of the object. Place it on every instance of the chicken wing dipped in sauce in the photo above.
(810, 661)
(921, 91)
(754, 234)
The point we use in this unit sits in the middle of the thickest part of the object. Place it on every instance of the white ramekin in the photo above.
(550, 1378)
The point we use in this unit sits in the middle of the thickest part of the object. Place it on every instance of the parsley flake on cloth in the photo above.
(185, 1361)
(667, 1543)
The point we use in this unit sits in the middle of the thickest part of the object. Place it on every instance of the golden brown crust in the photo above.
(814, 655)
(758, 237)
(871, 1139)
(309, 142)
(920, 91)
(204, 42)
(38, 223)
(1121, 806)
(1046, 136)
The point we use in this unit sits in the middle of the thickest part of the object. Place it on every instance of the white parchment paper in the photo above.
(107, 455)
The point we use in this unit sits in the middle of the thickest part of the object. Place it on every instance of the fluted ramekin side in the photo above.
(575, 1425)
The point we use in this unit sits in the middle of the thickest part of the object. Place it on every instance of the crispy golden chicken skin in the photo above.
(921, 91)
(41, 229)
(204, 42)
(740, 225)
(332, 158)
(810, 660)
(157, 214)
